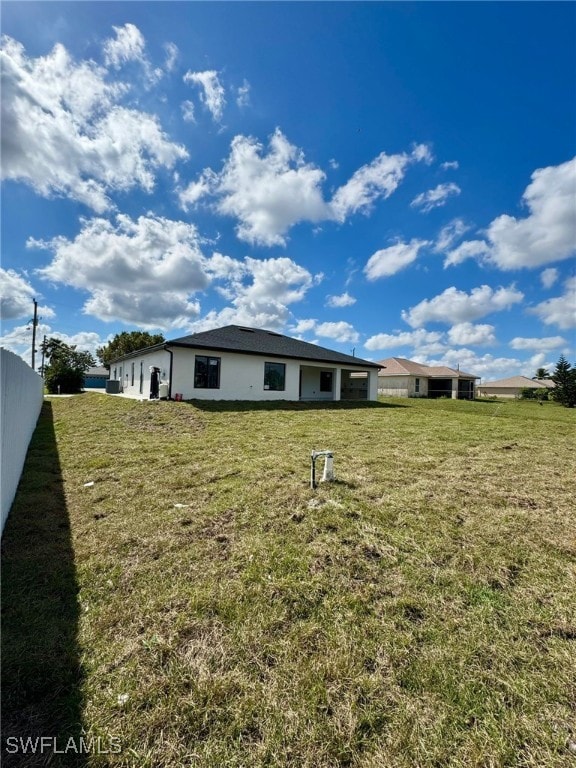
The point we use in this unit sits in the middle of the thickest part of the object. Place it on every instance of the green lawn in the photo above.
(199, 605)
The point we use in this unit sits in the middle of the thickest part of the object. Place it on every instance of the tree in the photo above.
(542, 373)
(64, 373)
(564, 377)
(124, 343)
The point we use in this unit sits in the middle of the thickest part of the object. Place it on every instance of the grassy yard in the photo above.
(199, 605)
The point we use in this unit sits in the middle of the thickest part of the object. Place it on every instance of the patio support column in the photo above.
(372, 385)
(337, 383)
(454, 389)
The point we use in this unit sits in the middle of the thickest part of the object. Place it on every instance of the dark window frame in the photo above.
(274, 377)
(204, 379)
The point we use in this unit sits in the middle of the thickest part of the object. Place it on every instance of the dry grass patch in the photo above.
(417, 612)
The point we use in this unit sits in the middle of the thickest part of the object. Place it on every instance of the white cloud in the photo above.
(377, 179)
(172, 55)
(212, 91)
(450, 165)
(268, 193)
(422, 153)
(196, 190)
(561, 310)
(260, 292)
(225, 267)
(548, 277)
(415, 339)
(304, 326)
(187, 108)
(270, 190)
(343, 300)
(128, 45)
(64, 131)
(540, 345)
(17, 297)
(467, 250)
(449, 234)
(341, 331)
(435, 198)
(146, 272)
(243, 98)
(454, 306)
(139, 271)
(465, 333)
(152, 310)
(388, 261)
(547, 234)
(485, 366)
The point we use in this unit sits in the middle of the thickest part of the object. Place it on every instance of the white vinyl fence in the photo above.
(21, 395)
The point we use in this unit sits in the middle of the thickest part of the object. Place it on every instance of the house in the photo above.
(95, 378)
(239, 363)
(405, 378)
(513, 386)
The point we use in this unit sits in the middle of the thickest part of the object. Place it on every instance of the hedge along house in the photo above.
(239, 363)
(404, 378)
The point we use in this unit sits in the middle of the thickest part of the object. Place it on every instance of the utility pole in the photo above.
(34, 322)
(43, 355)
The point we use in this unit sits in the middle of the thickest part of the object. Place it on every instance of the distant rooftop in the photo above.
(521, 381)
(399, 366)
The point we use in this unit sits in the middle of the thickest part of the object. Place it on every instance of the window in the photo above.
(417, 386)
(207, 372)
(141, 388)
(325, 381)
(133, 364)
(275, 376)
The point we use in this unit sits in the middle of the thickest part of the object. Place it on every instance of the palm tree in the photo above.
(542, 373)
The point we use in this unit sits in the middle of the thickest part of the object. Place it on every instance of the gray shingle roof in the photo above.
(257, 341)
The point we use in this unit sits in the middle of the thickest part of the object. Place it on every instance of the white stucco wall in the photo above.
(402, 386)
(510, 392)
(241, 376)
(21, 396)
(311, 383)
(123, 372)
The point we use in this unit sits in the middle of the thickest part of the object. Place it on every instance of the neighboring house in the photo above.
(404, 378)
(95, 378)
(513, 386)
(238, 363)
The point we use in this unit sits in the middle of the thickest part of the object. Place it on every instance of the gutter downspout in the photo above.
(167, 348)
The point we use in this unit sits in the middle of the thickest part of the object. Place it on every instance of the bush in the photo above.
(529, 393)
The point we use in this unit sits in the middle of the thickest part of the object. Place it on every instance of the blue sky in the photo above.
(397, 179)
